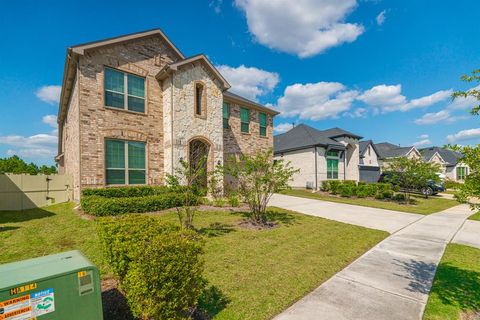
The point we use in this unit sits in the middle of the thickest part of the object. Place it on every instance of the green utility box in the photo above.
(64, 286)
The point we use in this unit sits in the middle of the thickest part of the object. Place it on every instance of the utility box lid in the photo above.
(46, 267)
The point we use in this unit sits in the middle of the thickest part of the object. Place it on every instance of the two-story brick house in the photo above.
(132, 106)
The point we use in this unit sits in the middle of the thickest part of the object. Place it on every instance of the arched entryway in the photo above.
(198, 157)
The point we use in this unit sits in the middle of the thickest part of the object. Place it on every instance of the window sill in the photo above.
(203, 117)
(127, 111)
(246, 133)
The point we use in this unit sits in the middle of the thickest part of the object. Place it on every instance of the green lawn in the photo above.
(259, 272)
(422, 206)
(456, 288)
(476, 216)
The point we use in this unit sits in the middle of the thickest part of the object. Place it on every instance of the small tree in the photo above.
(471, 187)
(258, 177)
(189, 177)
(413, 174)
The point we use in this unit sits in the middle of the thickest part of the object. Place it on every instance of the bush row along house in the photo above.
(337, 154)
(133, 106)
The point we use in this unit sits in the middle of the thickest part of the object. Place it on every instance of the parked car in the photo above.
(431, 187)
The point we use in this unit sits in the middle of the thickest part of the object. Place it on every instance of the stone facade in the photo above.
(166, 127)
(237, 142)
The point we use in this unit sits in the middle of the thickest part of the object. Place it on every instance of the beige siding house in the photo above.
(133, 106)
(319, 155)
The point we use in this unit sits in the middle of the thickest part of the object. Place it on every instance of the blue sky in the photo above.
(381, 69)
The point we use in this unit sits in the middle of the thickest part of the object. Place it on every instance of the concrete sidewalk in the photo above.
(469, 234)
(380, 219)
(392, 280)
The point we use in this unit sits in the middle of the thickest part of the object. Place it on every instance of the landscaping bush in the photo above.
(346, 190)
(219, 202)
(122, 237)
(165, 279)
(387, 194)
(352, 183)
(383, 187)
(102, 206)
(379, 196)
(400, 197)
(449, 184)
(334, 186)
(371, 189)
(325, 186)
(362, 191)
(132, 191)
(158, 265)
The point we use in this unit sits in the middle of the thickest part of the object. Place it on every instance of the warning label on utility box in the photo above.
(28, 306)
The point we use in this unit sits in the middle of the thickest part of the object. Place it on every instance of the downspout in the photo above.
(316, 179)
(171, 119)
(344, 165)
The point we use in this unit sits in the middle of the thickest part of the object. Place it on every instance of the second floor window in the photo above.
(263, 124)
(124, 91)
(226, 115)
(199, 107)
(245, 120)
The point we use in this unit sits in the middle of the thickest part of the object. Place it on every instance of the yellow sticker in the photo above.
(82, 274)
(22, 289)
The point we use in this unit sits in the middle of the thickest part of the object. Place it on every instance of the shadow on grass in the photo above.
(272, 217)
(8, 228)
(211, 302)
(216, 229)
(458, 287)
(26, 215)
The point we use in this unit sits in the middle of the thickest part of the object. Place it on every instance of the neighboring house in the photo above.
(387, 151)
(370, 161)
(320, 155)
(449, 161)
(133, 106)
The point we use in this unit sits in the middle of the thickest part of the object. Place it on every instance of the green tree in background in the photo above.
(471, 187)
(16, 165)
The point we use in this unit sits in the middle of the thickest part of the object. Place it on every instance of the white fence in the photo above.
(23, 191)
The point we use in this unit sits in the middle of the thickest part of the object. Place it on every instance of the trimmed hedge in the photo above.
(131, 191)
(159, 265)
(349, 189)
(104, 206)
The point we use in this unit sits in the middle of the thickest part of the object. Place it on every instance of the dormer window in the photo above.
(199, 99)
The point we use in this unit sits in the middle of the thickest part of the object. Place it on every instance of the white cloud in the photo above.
(315, 101)
(302, 27)
(39, 145)
(381, 17)
(388, 98)
(464, 135)
(423, 136)
(422, 143)
(51, 120)
(216, 5)
(49, 94)
(357, 113)
(283, 127)
(444, 116)
(249, 82)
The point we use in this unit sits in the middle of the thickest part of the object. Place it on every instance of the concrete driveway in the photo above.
(390, 281)
(380, 219)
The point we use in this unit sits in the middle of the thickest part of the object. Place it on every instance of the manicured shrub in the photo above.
(158, 265)
(362, 191)
(122, 237)
(387, 194)
(450, 184)
(400, 197)
(132, 191)
(219, 202)
(346, 190)
(165, 280)
(361, 183)
(350, 183)
(371, 189)
(383, 187)
(334, 186)
(102, 206)
(325, 186)
(379, 196)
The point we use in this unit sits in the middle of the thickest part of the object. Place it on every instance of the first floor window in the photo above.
(245, 120)
(263, 124)
(332, 168)
(125, 162)
(461, 173)
(124, 91)
(226, 115)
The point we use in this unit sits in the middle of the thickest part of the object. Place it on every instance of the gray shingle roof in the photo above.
(449, 156)
(363, 146)
(390, 150)
(303, 136)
